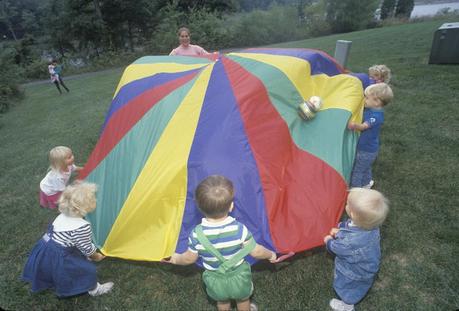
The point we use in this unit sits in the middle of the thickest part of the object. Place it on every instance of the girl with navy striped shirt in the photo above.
(62, 259)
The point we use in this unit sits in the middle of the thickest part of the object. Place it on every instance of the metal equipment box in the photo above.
(445, 45)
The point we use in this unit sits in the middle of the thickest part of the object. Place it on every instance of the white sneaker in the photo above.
(253, 306)
(101, 289)
(339, 305)
(370, 184)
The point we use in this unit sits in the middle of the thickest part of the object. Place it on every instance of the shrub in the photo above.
(10, 76)
(315, 19)
(37, 69)
(279, 23)
(350, 15)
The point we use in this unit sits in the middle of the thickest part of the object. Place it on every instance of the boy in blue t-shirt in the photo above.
(376, 97)
(225, 240)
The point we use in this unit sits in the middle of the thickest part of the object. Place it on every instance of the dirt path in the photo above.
(76, 76)
(95, 73)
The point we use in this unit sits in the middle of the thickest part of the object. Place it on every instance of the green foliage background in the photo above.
(416, 169)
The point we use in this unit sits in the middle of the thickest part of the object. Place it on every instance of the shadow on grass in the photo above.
(265, 265)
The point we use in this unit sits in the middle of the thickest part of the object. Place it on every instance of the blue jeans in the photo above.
(361, 173)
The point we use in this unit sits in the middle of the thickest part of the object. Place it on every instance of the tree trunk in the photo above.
(131, 40)
(97, 10)
(61, 49)
(10, 28)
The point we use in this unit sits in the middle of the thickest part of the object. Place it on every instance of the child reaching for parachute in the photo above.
(356, 246)
(62, 259)
(222, 243)
(60, 169)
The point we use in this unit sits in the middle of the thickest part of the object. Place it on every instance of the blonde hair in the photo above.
(214, 196)
(382, 91)
(369, 207)
(78, 199)
(381, 72)
(57, 157)
(183, 29)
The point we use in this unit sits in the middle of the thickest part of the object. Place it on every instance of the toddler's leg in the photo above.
(339, 305)
(58, 87)
(367, 178)
(224, 305)
(361, 174)
(101, 289)
(243, 305)
(358, 170)
(62, 83)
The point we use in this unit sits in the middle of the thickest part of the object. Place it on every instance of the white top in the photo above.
(68, 223)
(56, 181)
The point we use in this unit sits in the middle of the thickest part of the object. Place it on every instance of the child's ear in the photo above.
(231, 207)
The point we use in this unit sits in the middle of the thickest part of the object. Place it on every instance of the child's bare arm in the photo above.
(96, 256)
(357, 126)
(327, 238)
(333, 232)
(186, 258)
(261, 252)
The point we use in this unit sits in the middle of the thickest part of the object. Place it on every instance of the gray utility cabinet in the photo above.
(445, 45)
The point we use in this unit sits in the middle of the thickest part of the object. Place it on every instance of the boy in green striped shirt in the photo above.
(222, 243)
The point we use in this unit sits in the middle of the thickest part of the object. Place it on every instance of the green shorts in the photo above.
(231, 285)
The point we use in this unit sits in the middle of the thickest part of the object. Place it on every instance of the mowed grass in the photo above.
(417, 170)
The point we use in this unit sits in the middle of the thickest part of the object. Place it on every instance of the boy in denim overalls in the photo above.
(356, 245)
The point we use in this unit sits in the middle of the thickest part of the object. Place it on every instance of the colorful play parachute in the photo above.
(175, 120)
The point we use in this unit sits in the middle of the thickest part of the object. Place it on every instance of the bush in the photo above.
(9, 90)
(10, 76)
(278, 24)
(315, 19)
(37, 69)
(208, 29)
(164, 38)
(350, 15)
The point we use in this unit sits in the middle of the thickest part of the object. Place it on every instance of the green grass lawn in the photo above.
(417, 170)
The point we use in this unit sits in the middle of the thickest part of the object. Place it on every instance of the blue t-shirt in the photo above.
(369, 139)
(364, 78)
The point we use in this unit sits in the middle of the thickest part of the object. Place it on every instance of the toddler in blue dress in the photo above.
(62, 259)
(356, 246)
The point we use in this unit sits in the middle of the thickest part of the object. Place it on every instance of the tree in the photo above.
(57, 26)
(387, 9)
(350, 15)
(8, 12)
(128, 21)
(212, 5)
(404, 8)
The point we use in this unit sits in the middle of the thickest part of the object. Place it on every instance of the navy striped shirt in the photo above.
(73, 232)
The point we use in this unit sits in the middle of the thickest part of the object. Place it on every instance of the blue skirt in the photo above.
(64, 269)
